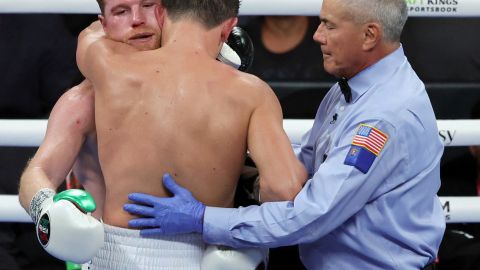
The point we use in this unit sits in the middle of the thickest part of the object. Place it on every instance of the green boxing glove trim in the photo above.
(82, 199)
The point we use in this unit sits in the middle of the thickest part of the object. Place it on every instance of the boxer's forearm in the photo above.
(33, 179)
(54, 159)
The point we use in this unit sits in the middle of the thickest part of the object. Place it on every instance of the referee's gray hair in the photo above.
(390, 14)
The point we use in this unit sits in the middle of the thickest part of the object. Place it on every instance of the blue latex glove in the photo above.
(181, 213)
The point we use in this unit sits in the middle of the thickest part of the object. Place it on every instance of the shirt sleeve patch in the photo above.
(366, 146)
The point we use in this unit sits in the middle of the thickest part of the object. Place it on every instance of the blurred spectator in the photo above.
(460, 248)
(285, 50)
(286, 55)
(37, 63)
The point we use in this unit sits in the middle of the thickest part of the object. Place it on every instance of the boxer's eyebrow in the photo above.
(119, 7)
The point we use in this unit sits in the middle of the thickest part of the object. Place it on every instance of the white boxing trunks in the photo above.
(126, 249)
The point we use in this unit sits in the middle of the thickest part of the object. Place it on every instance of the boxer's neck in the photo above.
(190, 35)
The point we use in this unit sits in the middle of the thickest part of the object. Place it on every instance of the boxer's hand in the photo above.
(181, 213)
(238, 50)
(220, 258)
(64, 226)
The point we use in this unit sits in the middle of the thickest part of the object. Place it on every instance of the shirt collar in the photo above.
(375, 73)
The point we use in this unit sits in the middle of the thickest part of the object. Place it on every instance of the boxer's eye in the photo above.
(119, 11)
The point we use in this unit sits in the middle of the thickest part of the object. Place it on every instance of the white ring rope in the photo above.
(452, 132)
(22, 132)
(423, 8)
(31, 132)
(456, 209)
(11, 210)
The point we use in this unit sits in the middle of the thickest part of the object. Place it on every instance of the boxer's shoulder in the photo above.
(75, 109)
(83, 91)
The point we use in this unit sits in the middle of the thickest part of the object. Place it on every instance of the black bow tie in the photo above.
(345, 88)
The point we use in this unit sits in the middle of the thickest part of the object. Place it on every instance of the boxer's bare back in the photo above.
(177, 110)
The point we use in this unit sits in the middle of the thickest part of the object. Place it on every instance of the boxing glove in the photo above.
(221, 258)
(64, 225)
(238, 50)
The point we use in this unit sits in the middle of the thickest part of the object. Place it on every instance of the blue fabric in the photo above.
(360, 158)
(386, 217)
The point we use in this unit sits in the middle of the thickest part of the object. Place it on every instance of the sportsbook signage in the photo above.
(451, 8)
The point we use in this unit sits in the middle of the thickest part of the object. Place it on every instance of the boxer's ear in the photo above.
(227, 27)
(102, 20)
(160, 15)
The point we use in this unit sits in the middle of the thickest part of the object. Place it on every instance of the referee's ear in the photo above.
(372, 35)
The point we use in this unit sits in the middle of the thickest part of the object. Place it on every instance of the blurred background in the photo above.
(37, 64)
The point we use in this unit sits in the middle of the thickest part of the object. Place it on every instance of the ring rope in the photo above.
(451, 132)
(31, 132)
(417, 8)
(456, 209)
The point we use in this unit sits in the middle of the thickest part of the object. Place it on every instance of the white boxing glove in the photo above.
(64, 225)
(228, 56)
(221, 258)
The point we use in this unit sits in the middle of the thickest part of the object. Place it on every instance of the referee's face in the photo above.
(340, 40)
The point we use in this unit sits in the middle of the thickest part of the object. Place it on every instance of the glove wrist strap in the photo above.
(36, 203)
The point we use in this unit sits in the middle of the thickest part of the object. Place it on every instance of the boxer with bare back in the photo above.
(178, 110)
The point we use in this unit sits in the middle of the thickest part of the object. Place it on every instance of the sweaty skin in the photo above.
(71, 138)
(178, 110)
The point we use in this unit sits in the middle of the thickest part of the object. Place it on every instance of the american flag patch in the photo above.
(366, 146)
(370, 138)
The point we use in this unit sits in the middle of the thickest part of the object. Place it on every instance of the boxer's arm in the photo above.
(96, 53)
(87, 170)
(71, 117)
(281, 174)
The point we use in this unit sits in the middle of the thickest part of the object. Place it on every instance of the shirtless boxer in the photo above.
(71, 140)
(178, 110)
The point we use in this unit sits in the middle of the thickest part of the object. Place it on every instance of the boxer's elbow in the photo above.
(289, 193)
(278, 192)
(282, 183)
(283, 189)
